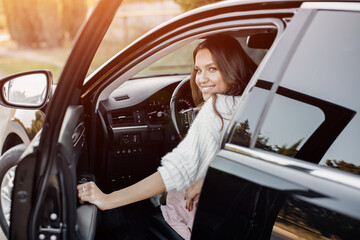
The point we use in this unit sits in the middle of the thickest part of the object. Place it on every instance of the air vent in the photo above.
(121, 98)
(122, 117)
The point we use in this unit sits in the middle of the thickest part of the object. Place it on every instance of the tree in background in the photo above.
(187, 5)
(344, 166)
(43, 23)
(72, 15)
(291, 151)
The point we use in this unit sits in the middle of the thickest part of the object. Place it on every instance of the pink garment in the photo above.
(176, 214)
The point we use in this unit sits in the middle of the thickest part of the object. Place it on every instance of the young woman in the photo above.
(221, 71)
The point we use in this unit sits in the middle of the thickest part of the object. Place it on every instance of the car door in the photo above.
(43, 203)
(289, 168)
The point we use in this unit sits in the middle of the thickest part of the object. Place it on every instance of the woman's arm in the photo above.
(192, 156)
(146, 188)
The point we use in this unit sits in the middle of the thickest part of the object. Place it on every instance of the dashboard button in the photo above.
(135, 138)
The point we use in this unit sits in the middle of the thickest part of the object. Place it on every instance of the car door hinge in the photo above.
(49, 232)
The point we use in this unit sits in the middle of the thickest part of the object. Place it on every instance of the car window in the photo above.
(246, 118)
(177, 62)
(287, 134)
(181, 62)
(314, 117)
(315, 110)
(301, 126)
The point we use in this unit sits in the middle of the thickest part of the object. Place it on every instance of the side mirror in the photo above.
(29, 90)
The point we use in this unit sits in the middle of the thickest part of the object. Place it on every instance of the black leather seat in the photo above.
(159, 229)
(87, 214)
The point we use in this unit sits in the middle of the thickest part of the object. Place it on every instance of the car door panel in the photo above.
(266, 184)
(22, 196)
(72, 148)
(62, 178)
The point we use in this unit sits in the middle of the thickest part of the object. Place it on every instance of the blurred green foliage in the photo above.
(43, 23)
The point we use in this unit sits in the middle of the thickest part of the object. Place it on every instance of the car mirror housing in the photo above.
(27, 90)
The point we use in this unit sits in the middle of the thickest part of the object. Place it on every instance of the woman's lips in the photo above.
(206, 89)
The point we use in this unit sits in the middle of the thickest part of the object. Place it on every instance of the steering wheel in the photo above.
(182, 118)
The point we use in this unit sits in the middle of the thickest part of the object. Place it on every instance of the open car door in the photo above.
(44, 196)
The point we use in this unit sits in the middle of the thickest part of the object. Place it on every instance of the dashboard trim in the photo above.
(130, 127)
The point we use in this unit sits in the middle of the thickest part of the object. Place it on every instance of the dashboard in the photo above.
(138, 128)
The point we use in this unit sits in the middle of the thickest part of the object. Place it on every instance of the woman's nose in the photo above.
(203, 77)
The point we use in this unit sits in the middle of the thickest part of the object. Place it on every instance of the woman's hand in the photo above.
(146, 188)
(192, 194)
(89, 192)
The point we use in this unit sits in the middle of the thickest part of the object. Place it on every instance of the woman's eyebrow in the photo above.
(207, 65)
(210, 64)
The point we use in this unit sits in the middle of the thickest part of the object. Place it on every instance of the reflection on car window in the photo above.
(315, 70)
(343, 154)
(301, 126)
(300, 218)
(313, 116)
(286, 134)
(246, 119)
(324, 43)
(296, 125)
(304, 127)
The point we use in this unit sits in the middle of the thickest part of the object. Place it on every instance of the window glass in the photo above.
(326, 62)
(286, 134)
(255, 53)
(314, 117)
(177, 62)
(245, 119)
(315, 110)
(343, 154)
(181, 62)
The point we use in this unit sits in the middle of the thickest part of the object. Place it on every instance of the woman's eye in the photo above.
(197, 70)
(212, 69)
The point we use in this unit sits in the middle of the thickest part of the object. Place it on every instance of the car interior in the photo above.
(139, 118)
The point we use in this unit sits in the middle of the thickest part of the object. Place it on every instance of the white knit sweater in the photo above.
(190, 159)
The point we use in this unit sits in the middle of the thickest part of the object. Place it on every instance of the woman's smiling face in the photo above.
(208, 77)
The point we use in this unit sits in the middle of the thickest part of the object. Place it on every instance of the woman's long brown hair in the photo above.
(235, 66)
